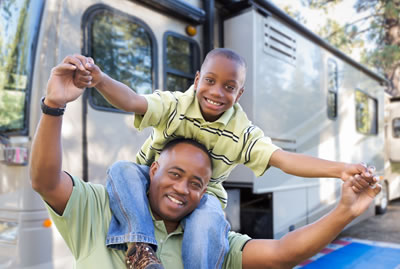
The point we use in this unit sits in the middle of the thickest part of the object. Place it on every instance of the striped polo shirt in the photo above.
(231, 140)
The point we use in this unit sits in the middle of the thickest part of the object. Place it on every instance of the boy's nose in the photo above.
(217, 90)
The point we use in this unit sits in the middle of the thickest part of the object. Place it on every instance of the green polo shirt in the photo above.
(231, 140)
(84, 225)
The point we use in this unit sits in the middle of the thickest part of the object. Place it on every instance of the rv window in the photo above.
(123, 49)
(332, 101)
(366, 113)
(181, 61)
(19, 24)
(396, 127)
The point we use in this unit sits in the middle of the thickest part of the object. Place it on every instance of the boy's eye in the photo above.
(209, 80)
(230, 88)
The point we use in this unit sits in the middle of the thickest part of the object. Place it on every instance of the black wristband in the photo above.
(50, 110)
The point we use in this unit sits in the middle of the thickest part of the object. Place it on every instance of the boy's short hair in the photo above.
(171, 144)
(228, 53)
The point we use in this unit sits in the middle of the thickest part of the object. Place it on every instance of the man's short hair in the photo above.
(171, 144)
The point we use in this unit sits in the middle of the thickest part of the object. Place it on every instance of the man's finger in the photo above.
(75, 61)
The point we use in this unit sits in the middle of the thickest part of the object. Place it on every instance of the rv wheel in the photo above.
(383, 200)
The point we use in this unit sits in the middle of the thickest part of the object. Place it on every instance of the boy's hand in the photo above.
(363, 176)
(356, 202)
(90, 76)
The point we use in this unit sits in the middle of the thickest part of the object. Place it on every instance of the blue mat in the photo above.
(359, 256)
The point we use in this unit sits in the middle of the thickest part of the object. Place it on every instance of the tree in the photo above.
(380, 25)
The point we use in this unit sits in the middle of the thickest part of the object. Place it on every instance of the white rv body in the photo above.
(308, 97)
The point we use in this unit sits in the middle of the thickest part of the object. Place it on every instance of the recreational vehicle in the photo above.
(306, 95)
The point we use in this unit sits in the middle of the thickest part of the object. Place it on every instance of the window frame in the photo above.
(27, 103)
(376, 103)
(195, 58)
(86, 27)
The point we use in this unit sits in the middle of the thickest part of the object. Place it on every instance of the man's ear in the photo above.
(153, 169)
(196, 80)
(239, 94)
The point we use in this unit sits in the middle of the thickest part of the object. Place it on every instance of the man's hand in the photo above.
(356, 202)
(60, 87)
(363, 176)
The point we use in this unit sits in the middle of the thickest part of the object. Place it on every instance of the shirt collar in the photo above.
(195, 112)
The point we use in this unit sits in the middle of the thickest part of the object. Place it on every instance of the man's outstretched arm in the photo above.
(307, 241)
(47, 176)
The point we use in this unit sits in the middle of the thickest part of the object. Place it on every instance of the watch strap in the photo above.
(51, 110)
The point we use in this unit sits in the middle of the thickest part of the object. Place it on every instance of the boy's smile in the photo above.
(219, 86)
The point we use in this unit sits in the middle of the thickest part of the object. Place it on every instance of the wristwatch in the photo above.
(51, 110)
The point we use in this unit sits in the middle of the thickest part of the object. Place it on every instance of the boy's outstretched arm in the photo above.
(117, 93)
(307, 241)
(306, 166)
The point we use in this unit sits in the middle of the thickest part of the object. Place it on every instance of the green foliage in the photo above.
(380, 26)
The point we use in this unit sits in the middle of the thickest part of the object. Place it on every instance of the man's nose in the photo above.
(181, 187)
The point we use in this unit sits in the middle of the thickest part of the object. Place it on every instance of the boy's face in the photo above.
(178, 181)
(219, 86)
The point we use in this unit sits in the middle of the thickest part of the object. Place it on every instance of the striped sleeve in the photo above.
(159, 104)
(257, 150)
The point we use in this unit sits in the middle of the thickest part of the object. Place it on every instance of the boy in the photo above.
(207, 112)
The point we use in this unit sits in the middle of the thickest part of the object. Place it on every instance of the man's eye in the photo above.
(196, 185)
(173, 174)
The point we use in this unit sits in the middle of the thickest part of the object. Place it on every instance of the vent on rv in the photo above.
(279, 41)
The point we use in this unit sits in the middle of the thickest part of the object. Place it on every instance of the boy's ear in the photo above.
(239, 94)
(153, 169)
(196, 80)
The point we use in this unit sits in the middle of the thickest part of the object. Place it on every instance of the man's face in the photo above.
(219, 86)
(178, 181)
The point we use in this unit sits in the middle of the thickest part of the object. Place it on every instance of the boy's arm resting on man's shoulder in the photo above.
(307, 241)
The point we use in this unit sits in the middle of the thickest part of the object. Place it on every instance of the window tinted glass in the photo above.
(332, 101)
(123, 49)
(366, 113)
(181, 62)
(19, 27)
(396, 127)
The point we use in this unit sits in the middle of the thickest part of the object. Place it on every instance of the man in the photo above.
(178, 180)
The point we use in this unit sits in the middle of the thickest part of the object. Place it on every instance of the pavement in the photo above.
(371, 244)
(384, 228)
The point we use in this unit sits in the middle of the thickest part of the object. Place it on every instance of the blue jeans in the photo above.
(205, 238)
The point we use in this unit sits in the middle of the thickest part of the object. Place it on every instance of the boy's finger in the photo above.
(361, 182)
(90, 60)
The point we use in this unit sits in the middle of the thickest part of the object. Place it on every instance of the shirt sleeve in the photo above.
(85, 212)
(160, 105)
(233, 259)
(257, 150)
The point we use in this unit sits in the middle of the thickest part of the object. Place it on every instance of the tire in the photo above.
(381, 207)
